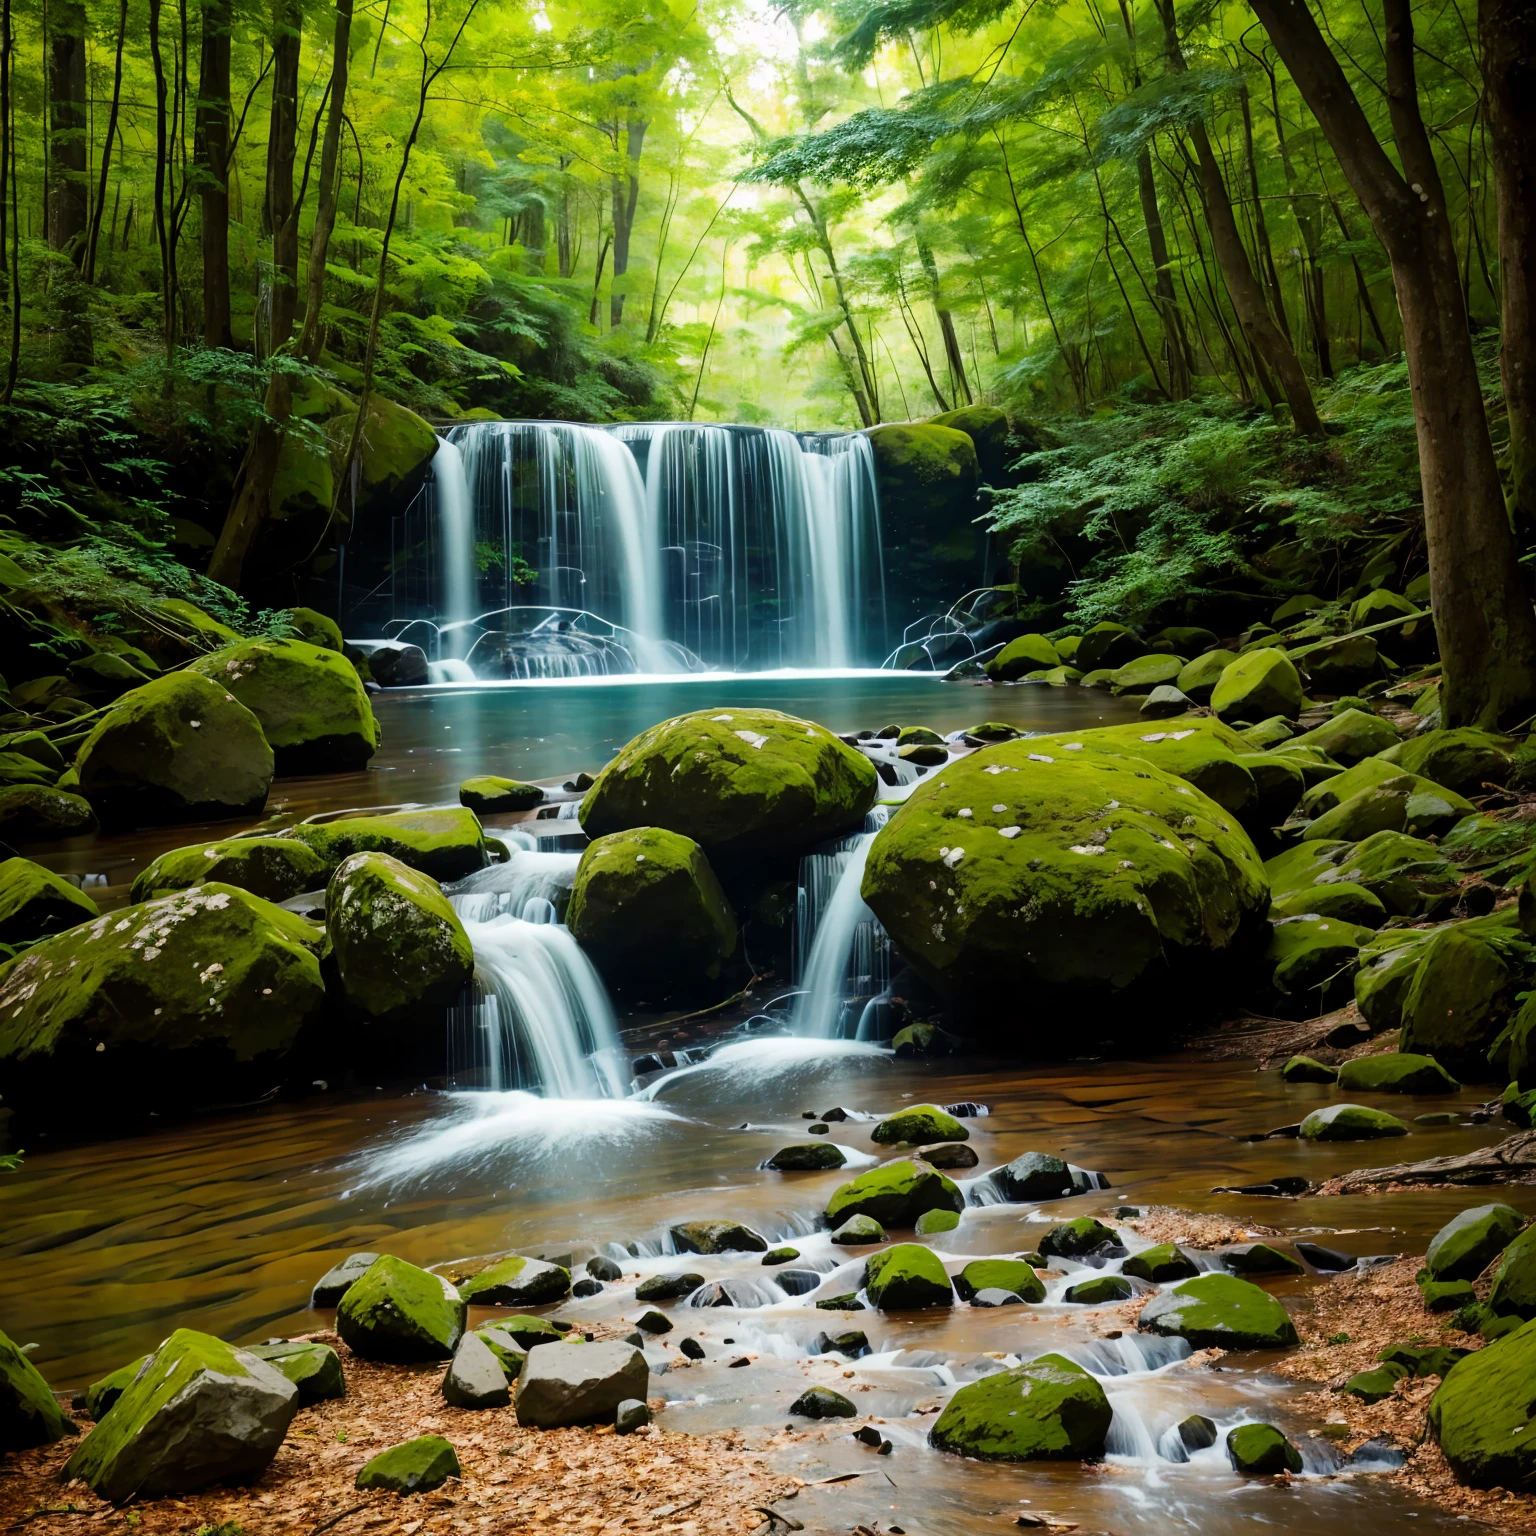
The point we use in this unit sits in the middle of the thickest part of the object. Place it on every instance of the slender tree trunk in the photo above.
(67, 150)
(1175, 343)
(1507, 32)
(1482, 613)
(1260, 223)
(6, 62)
(626, 199)
(597, 275)
(957, 381)
(563, 222)
(13, 363)
(163, 233)
(280, 213)
(93, 239)
(867, 395)
(213, 171)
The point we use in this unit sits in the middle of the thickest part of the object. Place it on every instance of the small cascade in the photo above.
(451, 671)
(456, 546)
(528, 883)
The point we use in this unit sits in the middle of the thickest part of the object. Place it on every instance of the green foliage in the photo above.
(11, 1161)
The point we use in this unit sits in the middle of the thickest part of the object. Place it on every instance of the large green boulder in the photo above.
(1395, 1072)
(1048, 1410)
(919, 1126)
(1411, 876)
(31, 813)
(101, 1395)
(1198, 678)
(315, 1369)
(102, 677)
(742, 783)
(1403, 804)
(201, 1412)
(1350, 737)
(927, 474)
(201, 629)
(148, 1007)
(274, 868)
(894, 1194)
(1000, 1275)
(1456, 1003)
(1146, 673)
(1342, 666)
(1366, 774)
(178, 749)
(1162, 1264)
(310, 701)
(647, 908)
(1099, 877)
(906, 1277)
(1217, 1311)
(1278, 786)
(1383, 978)
(987, 428)
(1514, 1282)
(1467, 1244)
(1028, 653)
(517, 1281)
(29, 1412)
(1464, 759)
(1312, 963)
(1261, 1450)
(314, 628)
(1341, 900)
(447, 843)
(1109, 645)
(489, 796)
(401, 1314)
(1254, 687)
(1350, 1122)
(1301, 867)
(1483, 1414)
(398, 948)
(35, 902)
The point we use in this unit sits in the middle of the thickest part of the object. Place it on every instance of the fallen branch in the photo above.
(1511, 1161)
(337, 1519)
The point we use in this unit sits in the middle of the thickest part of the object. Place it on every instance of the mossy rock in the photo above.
(1048, 1410)
(274, 868)
(924, 754)
(1312, 963)
(1395, 1072)
(30, 1414)
(1186, 639)
(931, 1222)
(1467, 1244)
(1454, 1006)
(672, 1287)
(99, 1397)
(1483, 1415)
(1260, 1259)
(1278, 786)
(310, 701)
(1076, 889)
(1268, 734)
(923, 1041)
(1345, 665)
(927, 475)
(1033, 1176)
(1464, 759)
(1146, 673)
(35, 746)
(1098, 678)
(315, 628)
(206, 632)
(315, 1369)
(740, 782)
(1101, 1291)
(181, 748)
(418, 1466)
(102, 677)
(35, 902)
(1340, 900)
(709, 1237)
(1107, 645)
(1255, 686)
(517, 1282)
(1352, 736)
(159, 1004)
(1162, 1264)
(822, 1403)
(1299, 868)
(1422, 1361)
(807, 1157)
(1303, 1069)
(15, 769)
(648, 910)
(1514, 1282)
(447, 843)
(1072, 1239)
(1028, 653)
(1350, 1122)
(1297, 607)
(894, 1194)
(1217, 1311)
(1000, 1275)
(1165, 702)
(987, 428)
(400, 1314)
(1444, 1295)
(906, 1278)
(993, 730)
(488, 795)
(1379, 606)
(1409, 875)
(920, 1126)
(1261, 1450)
(31, 813)
(1402, 804)
(862, 1231)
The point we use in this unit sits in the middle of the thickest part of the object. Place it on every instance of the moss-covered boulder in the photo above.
(1303, 1069)
(158, 1004)
(310, 702)
(1340, 900)
(201, 1412)
(35, 902)
(99, 1397)
(1467, 1244)
(398, 948)
(894, 1194)
(1484, 1414)
(928, 474)
(418, 1466)
(1145, 673)
(1411, 876)
(741, 783)
(1382, 981)
(931, 1222)
(314, 628)
(906, 1278)
(32, 813)
(1259, 1259)
(29, 1412)
(1395, 1072)
(102, 677)
(181, 748)
(862, 1231)
(1107, 644)
(1402, 804)
(647, 908)
(1514, 1282)
(517, 1282)
(715, 1237)
(274, 868)
(1278, 786)
(1048, 1410)
(315, 1369)
(446, 843)
(1101, 1291)
(987, 428)
(1254, 687)
(1217, 1311)
(1465, 759)
(1345, 665)
(1000, 1275)
(401, 1314)
(1162, 1264)
(823, 1403)
(489, 796)
(1033, 1176)
(1312, 963)
(1455, 1005)
(919, 1126)
(671, 1287)
(1198, 678)
(1350, 1122)
(806, 1157)
(1101, 877)
(1072, 1239)
(1268, 734)
(1349, 737)
(1261, 1450)
(1375, 1385)
(1027, 653)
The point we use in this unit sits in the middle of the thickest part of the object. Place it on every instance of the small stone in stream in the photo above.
(1445, 1295)
(1286, 1187)
(630, 1415)
(797, 1282)
(1329, 1260)
(1101, 1292)
(713, 1293)
(851, 1345)
(418, 1466)
(1259, 1259)
(823, 1403)
(1423, 1359)
(636, 1338)
(966, 1109)
(1126, 1212)
(999, 1275)
(711, 1237)
(668, 1287)
(1469, 1242)
(1303, 1069)
(993, 1297)
(579, 1384)
(857, 1231)
(1376, 1385)
(780, 1255)
(1260, 1450)
(848, 1302)
(806, 1157)
(867, 1434)
(1439, 1117)
(1197, 1432)
(585, 1288)
(835, 1113)
(935, 1221)
(1350, 1122)
(475, 1379)
(517, 1281)
(1162, 1264)
(906, 1278)
(1073, 1238)
(653, 1322)
(334, 1283)
(315, 1369)
(1219, 1311)
(691, 1348)
(920, 1126)
(1035, 1260)
(950, 1154)
(737, 1363)
(602, 1268)
(1033, 1176)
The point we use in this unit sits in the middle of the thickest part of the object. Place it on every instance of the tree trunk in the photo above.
(1175, 343)
(1482, 614)
(563, 222)
(1261, 224)
(280, 214)
(957, 382)
(93, 238)
(162, 151)
(213, 171)
(1507, 32)
(626, 198)
(67, 169)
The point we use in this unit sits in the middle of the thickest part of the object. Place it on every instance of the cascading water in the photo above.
(456, 546)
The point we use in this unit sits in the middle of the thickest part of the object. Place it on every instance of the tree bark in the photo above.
(93, 238)
(1482, 615)
(280, 212)
(1507, 33)
(958, 386)
(212, 148)
(163, 236)
(626, 199)
(67, 178)
(1175, 343)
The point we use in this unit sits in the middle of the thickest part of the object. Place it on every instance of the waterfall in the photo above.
(456, 546)
(527, 880)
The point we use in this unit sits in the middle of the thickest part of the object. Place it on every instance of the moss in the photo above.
(807, 1156)
(1186, 639)
(1467, 1244)
(99, 1397)
(315, 628)
(647, 908)
(1341, 900)
(739, 782)
(1268, 734)
(1299, 868)
(1146, 673)
(1345, 665)
(310, 702)
(1350, 1122)
(1100, 873)
(178, 749)
(1409, 875)
(1027, 653)
(29, 1412)
(1464, 759)
(1352, 736)
(446, 844)
(1107, 645)
(1162, 1264)
(931, 1222)
(919, 1126)
(894, 1194)
(1396, 1072)
(525, 1333)
(1278, 786)
(1484, 1415)
(1454, 1005)
(715, 1237)
(1261, 1450)
(1254, 687)
(906, 1278)
(1216, 1311)
(1260, 1259)
(35, 902)
(987, 428)
(274, 868)
(1000, 1275)
(207, 632)
(1303, 1069)
(1312, 963)
(1445, 1295)
(401, 1314)
(489, 795)
(1101, 1291)
(1070, 1239)
(862, 1231)
(315, 1369)
(101, 677)
(34, 814)
(1422, 1361)
(517, 1282)
(1327, 794)
(1048, 1410)
(1514, 1282)
(418, 1466)
(928, 475)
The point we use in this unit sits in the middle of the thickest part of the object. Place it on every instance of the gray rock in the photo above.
(797, 1282)
(1033, 1176)
(315, 1369)
(654, 1322)
(476, 1378)
(630, 1415)
(1164, 701)
(579, 1384)
(716, 1237)
(602, 1268)
(667, 1287)
(584, 1288)
(993, 1297)
(333, 1284)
